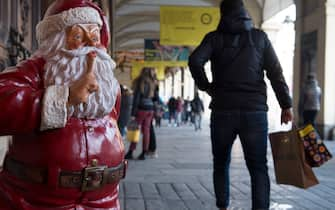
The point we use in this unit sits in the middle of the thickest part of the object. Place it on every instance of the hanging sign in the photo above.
(186, 25)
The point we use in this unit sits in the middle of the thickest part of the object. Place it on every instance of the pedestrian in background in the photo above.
(144, 87)
(310, 100)
(197, 110)
(179, 110)
(172, 106)
(240, 55)
(125, 109)
(159, 111)
(152, 153)
(187, 110)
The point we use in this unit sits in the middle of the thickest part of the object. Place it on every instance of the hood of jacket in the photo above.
(311, 84)
(235, 22)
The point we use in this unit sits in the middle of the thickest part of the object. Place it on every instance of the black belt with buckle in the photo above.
(90, 178)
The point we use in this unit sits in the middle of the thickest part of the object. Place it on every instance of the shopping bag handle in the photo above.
(288, 127)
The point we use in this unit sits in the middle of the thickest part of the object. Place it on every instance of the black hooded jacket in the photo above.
(240, 55)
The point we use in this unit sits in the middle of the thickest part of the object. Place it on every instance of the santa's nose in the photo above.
(90, 42)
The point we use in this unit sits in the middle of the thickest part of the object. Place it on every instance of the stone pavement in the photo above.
(181, 178)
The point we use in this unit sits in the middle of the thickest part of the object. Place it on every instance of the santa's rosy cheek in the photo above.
(72, 45)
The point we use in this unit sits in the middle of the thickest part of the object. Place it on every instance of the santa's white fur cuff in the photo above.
(54, 111)
(56, 23)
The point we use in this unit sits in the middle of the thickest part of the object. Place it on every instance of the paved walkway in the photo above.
(181, 178)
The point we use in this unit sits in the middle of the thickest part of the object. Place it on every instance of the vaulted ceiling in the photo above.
(136, 20)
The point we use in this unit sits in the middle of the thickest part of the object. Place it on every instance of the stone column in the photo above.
(329, 69)
(315, 47)
(112, 18)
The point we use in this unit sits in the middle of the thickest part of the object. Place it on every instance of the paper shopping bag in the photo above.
(290, 165)
(316, 151)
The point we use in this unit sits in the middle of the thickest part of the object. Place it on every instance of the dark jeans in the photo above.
(152, 144)
(309, 116)
(172, 115)
(197, 121)
(252, 128)
(158, 121)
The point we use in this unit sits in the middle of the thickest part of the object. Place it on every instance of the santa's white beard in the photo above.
(66, 66)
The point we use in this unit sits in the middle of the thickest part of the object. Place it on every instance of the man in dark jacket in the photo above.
(239, 55)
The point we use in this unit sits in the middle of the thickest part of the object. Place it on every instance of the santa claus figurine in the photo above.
(61, 108)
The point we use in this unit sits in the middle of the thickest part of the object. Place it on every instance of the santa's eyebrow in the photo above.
(95, 29)
(86, 29)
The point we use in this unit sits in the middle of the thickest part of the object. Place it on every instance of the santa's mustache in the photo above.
(101, 53)
(81, 53)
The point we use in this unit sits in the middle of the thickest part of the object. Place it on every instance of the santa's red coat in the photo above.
(71, 148)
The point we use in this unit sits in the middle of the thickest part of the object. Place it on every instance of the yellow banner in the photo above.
(158, 65)
(186, 25)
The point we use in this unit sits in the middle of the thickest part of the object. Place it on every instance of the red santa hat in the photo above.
(64, 13)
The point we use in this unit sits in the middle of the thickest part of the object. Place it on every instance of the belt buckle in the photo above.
(93, 178)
